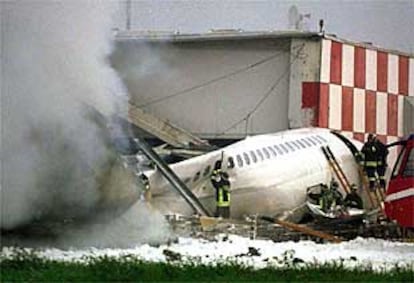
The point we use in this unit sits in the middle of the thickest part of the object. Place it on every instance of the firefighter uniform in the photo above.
(220, 181)
(353, 200)
(325, 200)
(382, 153)
(330, 197)
(337, 196)
(369, 150)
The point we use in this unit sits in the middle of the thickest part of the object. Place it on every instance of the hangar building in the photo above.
(228, 84)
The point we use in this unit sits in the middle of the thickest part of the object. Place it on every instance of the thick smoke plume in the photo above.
(57, 158)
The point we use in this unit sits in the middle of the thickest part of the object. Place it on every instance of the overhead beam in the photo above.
(163, 129)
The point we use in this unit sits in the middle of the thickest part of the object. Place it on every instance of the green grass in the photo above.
(28, 267)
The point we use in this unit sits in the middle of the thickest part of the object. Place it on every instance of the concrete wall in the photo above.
(305, 69)
(155, 72)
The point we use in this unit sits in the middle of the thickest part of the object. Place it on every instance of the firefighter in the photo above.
(382, 153)
(336, 194)
(330, 197)
(220, 181)
(369, 150)
(314, 195)
(353, 200)
(325, 199)
(145, 194)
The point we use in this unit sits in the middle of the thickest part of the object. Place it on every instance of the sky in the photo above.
(385, 23)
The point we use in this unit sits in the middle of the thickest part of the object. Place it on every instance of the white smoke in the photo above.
(55, 153)
(140, 224)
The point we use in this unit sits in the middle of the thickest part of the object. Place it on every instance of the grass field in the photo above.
(29, 267)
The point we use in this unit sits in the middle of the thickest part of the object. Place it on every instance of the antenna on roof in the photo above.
(321, 26)
(298, 21)
(293, 17)
(128, 15)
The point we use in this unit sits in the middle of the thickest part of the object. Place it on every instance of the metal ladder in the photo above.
(336, 168)
(374, 199)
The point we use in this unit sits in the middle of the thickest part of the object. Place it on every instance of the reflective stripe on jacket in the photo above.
(370, 154)
(223, 196)
(370, 163)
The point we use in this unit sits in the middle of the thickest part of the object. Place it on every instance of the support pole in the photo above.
(176, 182)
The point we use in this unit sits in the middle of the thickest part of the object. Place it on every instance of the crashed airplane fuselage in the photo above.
(269, 173)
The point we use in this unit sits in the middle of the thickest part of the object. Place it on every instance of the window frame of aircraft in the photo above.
(263, 154)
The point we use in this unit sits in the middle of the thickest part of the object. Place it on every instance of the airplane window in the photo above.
(315, 140)
(296, 144)
(260, 154)
(267, 154)
(321, 138)
(254, 157)
(306, 142)
(246, 158)
(301, 144)
(272, 150)
(230, 163)
(206, 171)
(196, 176)
(284, 148)
(187, 180)
(239, 160)
(290, 146)
(278, 149)
(311, 140)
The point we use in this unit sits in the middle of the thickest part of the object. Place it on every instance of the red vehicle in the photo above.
(399, 201)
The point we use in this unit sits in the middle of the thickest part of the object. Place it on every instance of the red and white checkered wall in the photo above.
(360, 91)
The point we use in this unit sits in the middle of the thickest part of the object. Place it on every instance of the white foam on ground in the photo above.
(376, 253)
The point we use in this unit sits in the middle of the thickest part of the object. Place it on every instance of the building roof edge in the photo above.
(231, 34)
